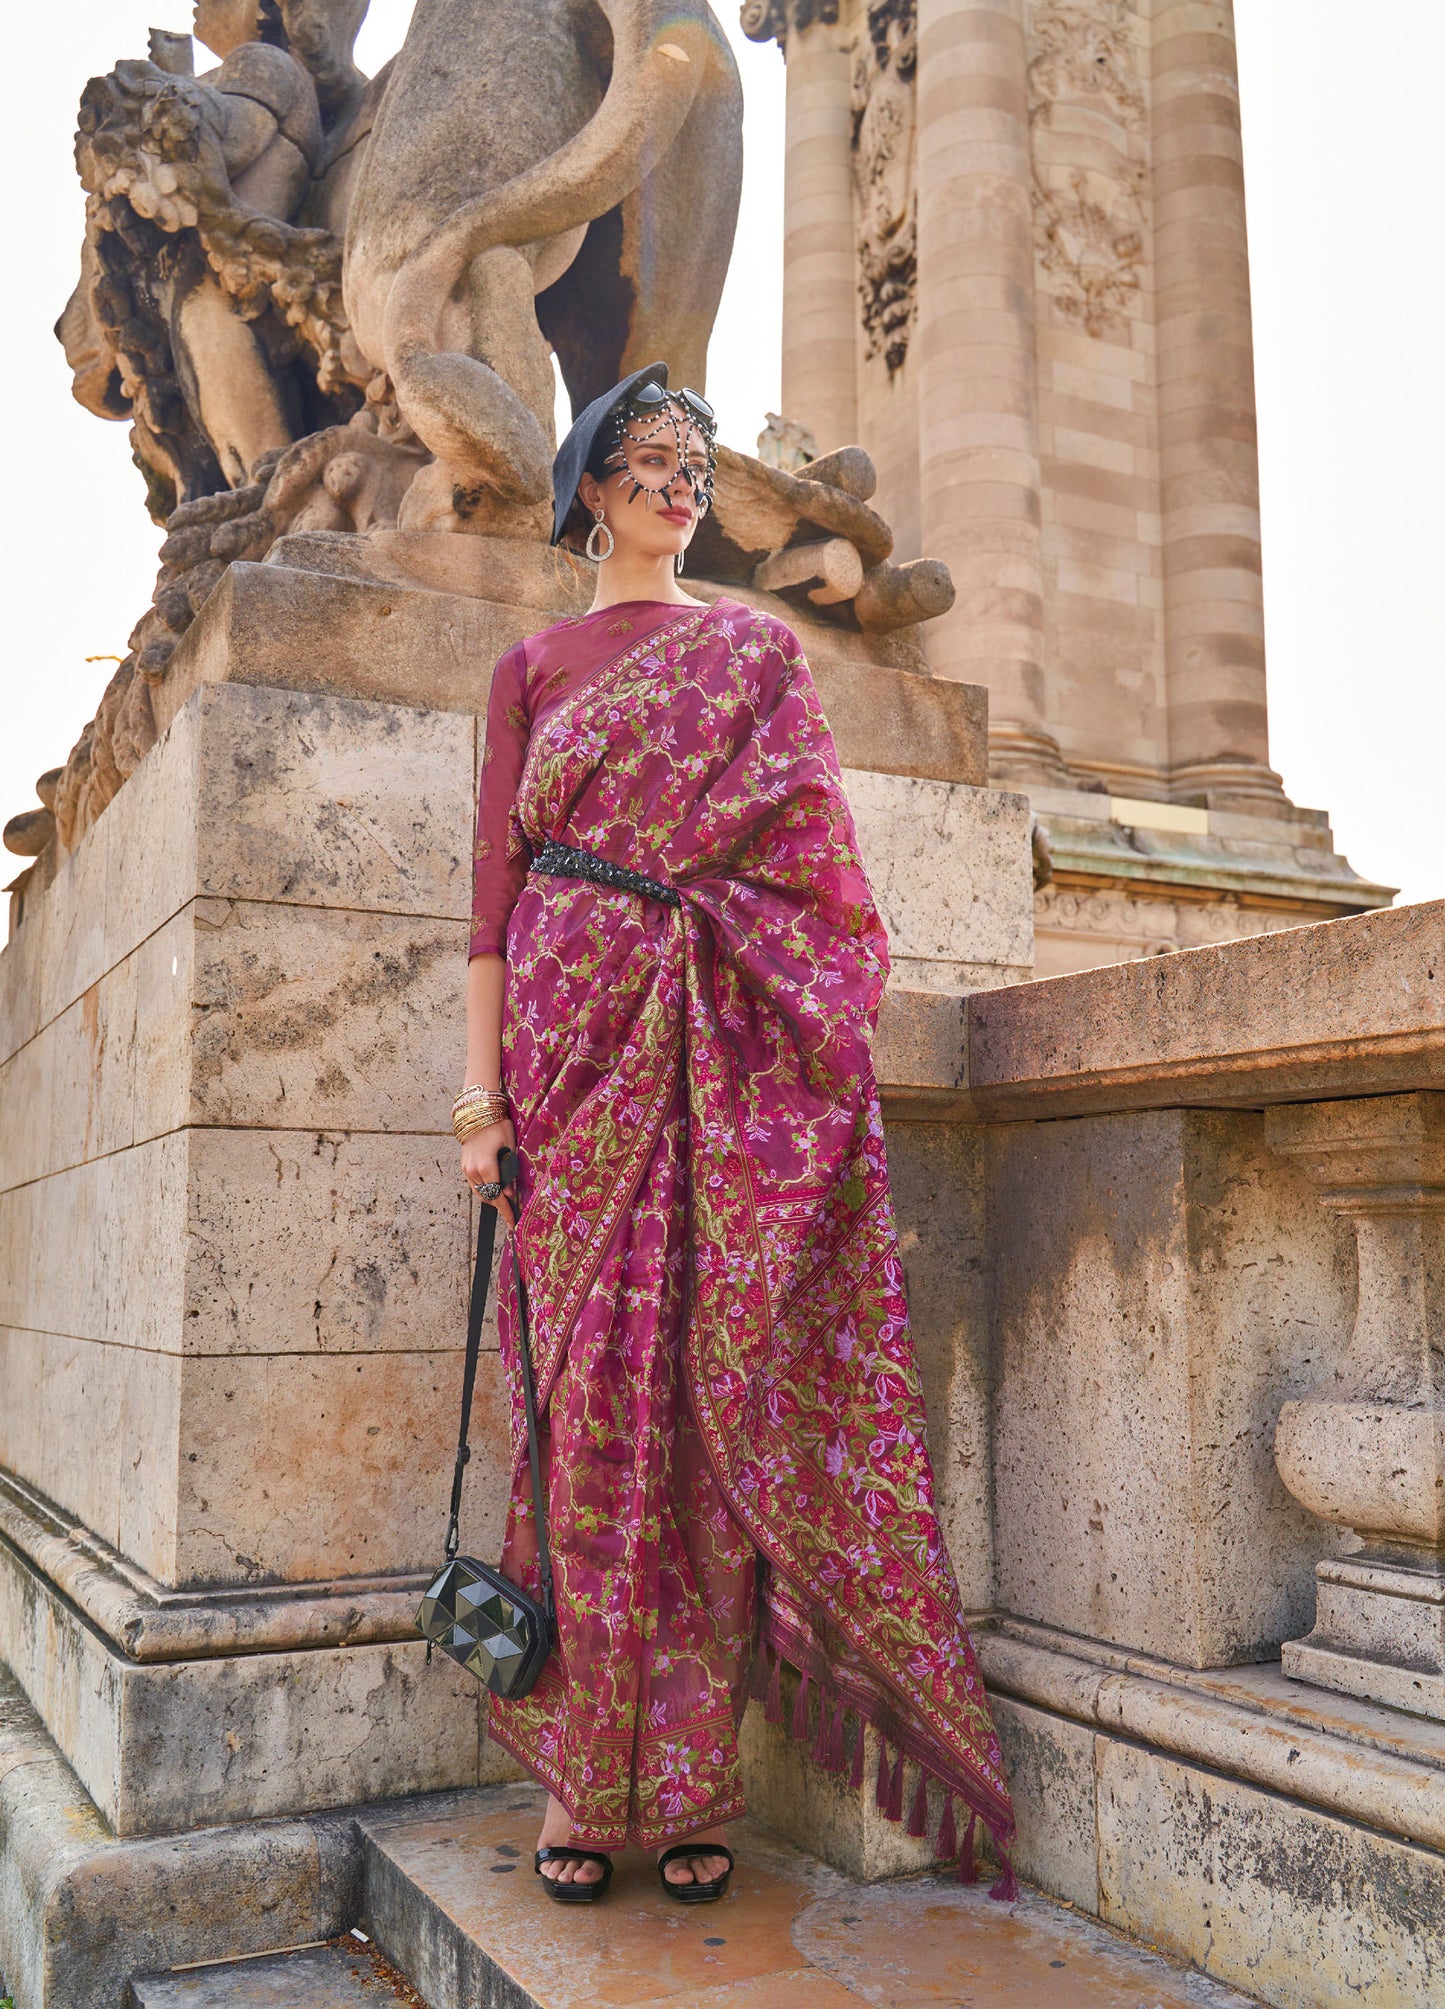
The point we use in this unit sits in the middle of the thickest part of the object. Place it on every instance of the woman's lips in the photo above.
(677, 515)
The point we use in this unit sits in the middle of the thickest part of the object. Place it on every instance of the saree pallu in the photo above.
(735, 1454)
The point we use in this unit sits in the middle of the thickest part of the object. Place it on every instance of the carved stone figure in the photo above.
(1089, 224)
(785, 443)
(766, 20)
(532, 184)
(207, 311)
(885, 64)
(527, 178)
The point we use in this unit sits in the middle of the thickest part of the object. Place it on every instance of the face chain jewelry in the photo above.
(651, 415)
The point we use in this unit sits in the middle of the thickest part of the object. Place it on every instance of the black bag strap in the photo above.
(481, 1279)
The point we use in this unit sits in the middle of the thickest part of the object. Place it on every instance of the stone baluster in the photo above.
(820, 276)
(1209, 463)
(977, 378)
(1367, 1450)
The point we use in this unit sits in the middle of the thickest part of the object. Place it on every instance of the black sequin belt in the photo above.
(565, 861)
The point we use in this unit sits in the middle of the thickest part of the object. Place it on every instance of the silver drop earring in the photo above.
(600, 557)
(677, 566)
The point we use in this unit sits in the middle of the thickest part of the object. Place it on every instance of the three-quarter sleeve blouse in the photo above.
(500, 859)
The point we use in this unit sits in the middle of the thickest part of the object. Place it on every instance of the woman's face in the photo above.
(650, 502)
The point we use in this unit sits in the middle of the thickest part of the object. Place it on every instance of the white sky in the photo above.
(1347, 280)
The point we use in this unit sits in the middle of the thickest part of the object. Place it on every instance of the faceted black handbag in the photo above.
(488, 1624)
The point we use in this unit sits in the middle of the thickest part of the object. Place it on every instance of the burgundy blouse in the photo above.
(531, 679)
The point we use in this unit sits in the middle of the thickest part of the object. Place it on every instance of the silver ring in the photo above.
(490, 1189)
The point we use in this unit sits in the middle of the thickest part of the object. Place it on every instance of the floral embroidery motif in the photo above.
(720, 1330)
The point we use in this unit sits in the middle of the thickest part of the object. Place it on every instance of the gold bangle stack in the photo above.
(478, 1108)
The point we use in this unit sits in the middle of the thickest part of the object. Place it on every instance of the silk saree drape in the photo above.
(735, 1454)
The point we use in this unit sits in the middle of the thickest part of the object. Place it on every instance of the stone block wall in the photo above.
(234, 1252)
(1161, 1285)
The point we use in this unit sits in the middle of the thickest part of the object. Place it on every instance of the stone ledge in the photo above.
(80, 1912)
(1374, 1766)
(1286, 1846)
(398, 644)
(150, 1624)
(1348, 1007)
(163, 1746)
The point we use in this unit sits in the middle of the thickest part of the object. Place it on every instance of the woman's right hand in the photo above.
(480, 1153)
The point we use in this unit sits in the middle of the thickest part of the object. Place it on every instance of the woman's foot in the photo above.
(697, 1866)
(556, 1834)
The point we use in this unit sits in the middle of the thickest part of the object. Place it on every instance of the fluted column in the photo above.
(820, 278)
(1213, 594)
(976, 369)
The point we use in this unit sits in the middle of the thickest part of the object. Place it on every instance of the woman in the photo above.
(735, 1459)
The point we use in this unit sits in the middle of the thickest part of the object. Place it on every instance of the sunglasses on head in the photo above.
(650, 397)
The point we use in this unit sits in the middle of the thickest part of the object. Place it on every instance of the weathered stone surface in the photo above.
(815, 1809)
(1364, 1764)
(341, 1467)
(72, 1261)
(325, 1018)
(936, 1172)
(1049, 1763)
(182, 1744)
(1306, 1910)
(1158, 1291)
(316, 1977)
(328, 802)
(80, 1912)
(321, 1242)
(1345, 1008)
(148, 1621)
(950, 931)
(448, 1888)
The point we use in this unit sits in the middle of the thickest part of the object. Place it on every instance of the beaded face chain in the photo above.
(651, 414)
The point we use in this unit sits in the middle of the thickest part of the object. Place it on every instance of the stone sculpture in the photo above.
(332, 304)
(208, 309)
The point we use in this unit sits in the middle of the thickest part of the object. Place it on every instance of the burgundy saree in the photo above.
(734, 1446)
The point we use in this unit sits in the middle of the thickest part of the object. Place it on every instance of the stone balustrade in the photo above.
(1366, 1450)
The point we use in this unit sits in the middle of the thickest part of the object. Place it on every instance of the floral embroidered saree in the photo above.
(734, 1435)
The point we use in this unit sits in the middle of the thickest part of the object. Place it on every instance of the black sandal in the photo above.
(574, 1893)
(695, 1892)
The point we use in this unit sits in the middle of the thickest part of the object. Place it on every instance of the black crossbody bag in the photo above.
(488, 1624)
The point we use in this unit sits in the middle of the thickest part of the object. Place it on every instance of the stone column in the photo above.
(820, 280)
(1367, 1451)
(975, 349)
(1209, 467)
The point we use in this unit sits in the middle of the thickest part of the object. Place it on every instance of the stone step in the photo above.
(452, 1899)
(313, 1977)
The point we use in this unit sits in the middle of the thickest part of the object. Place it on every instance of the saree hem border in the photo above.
(733, 1809)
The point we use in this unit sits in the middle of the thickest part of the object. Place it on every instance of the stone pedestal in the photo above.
(1367, 1451)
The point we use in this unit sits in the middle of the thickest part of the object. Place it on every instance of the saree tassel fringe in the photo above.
(967, 1867)
(947, 1832)
(894, 1809)
(918, 1813)
(855, 1777)
(833, 1755)
(762, 1664)
(820, 1742)
(1006, 1890)
(774, 1710)
(800, 1710)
